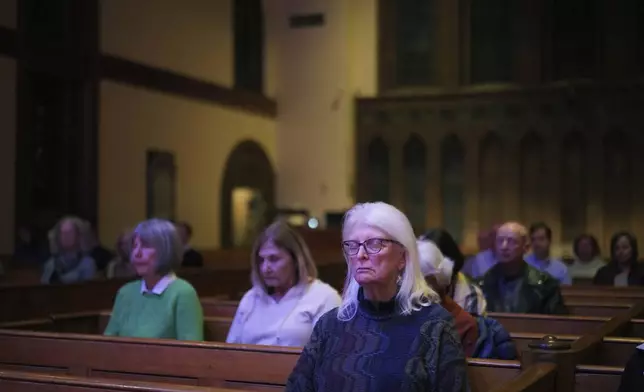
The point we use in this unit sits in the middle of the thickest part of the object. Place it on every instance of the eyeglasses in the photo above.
(372, 246)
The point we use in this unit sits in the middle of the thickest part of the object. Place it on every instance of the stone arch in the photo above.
(452, 185)
(415, 180)
(247, 166)
(378, 170)
(574, 186)
(490, 180)
(532, 178)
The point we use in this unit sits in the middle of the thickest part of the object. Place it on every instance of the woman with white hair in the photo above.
(481, 336)
(160, 305)
(389, 334)
(438, 274)
(69, 245)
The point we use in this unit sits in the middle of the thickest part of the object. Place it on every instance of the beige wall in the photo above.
(320, 71)
(201, 135)
(7, 151)
(191, 37)
(8, 13)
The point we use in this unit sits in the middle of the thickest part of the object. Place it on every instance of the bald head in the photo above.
(511, 242)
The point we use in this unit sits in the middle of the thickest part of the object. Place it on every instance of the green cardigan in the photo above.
(176, 313)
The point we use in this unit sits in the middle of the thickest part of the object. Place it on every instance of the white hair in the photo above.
(413, 293)
(433, 263)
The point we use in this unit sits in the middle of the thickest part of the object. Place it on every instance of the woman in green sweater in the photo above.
(160, 305)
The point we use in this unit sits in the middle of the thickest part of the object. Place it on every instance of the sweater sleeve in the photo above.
(446, 365)
(302, 378)
(188, 315)
(114, 325)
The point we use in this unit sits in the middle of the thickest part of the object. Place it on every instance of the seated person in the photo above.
(390, 333)
(437, 271)
(476, 266)
(513, 286)
(191, 258)
(120, 267)
(633, 375)
(623, 269)
(70, 261)
(159, 305)
(540, 258)
(287, 299)
(481, 336)
(461, 289)
(588, 258)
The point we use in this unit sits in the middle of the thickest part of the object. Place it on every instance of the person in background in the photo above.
(475, 267)
(623, 269)
(191, 258)
(287, 298)
(513, 286)
(437, 271)
(540, 240)
(70, 247)
(481, 336)
(588, 258)
(159, 305)
(633, 375)
(462, 290)
(120, 267)
(390, 333)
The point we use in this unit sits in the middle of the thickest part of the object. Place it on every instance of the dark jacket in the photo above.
(606, 275)
(539, 292)
(494, 341)
(192, 258)
(633, 376)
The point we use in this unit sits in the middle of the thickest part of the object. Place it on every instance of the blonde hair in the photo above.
(414, 293)
(286, 238)
(433, 263)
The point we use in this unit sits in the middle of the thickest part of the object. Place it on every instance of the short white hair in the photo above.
(414, 292)
(433, 263)
(161, 235)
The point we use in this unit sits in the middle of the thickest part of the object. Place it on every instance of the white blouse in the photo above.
(287, 322)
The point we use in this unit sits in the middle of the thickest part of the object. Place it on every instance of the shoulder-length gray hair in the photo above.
(285, 237)
(413, 292)
(161, 235)
(83, 235)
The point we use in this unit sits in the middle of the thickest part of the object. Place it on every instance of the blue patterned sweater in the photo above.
(381, 350)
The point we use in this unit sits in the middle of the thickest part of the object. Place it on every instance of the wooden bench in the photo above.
(186, 363)
(36, 382)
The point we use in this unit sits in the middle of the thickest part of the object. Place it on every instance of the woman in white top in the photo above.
(587, 257)
(287, 299)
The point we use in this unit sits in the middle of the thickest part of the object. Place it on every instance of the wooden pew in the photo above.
(23, 302)
(187, 363)
(549, 325)
(539, 377)
(614, 351)
(35, 382)
(580, 360)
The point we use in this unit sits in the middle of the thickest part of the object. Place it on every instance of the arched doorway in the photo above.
(247, 194)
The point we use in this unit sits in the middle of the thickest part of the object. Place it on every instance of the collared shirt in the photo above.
(287, 322)
(475, 267)
(552, 266)
(161, 285)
